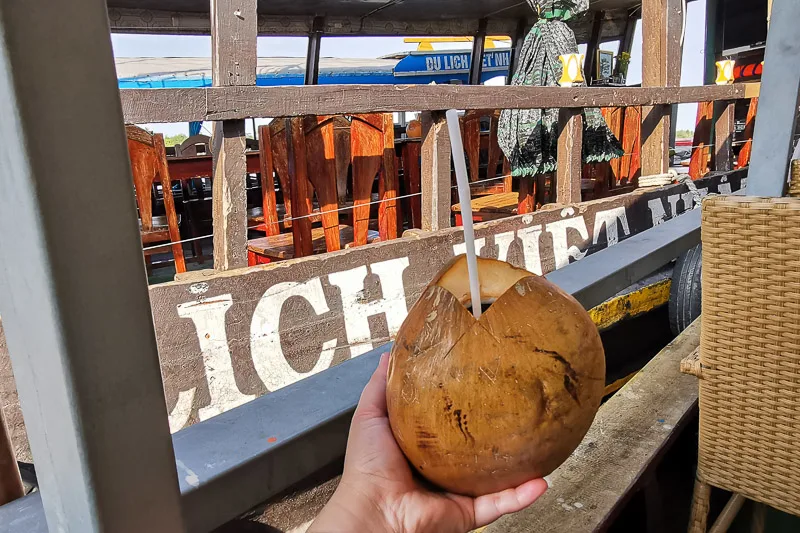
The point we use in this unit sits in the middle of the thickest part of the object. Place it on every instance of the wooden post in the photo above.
(723, 136)
(312, 55)
(300, 188)
(627, 41)
(661, 67)
(570, 165)
(478, 45)
(519, 42)
(592, 47)
(436, 177)
(234, 28)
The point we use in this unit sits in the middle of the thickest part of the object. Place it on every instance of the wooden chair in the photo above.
(315, 146)
(194, 145)
(700, 162)
(749, 129)
(149, 165)
(475, 143)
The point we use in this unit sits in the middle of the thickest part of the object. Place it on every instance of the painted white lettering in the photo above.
(430, 64)
(183, 410)
(208, 316)
(657, 211)
(461, 249)
(688, 201)
(265, 340)
(530, 248)
(357, 311)
(609, 220)
(673, 204)
(562, 251)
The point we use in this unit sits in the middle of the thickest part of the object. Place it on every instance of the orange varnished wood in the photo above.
(367, 143)
(341, 144)
(321, 159)
(300, 189)
(149, 165)
(412, 175)
(269, 202)
(279, 141)
(701, 153)
(471, 136)
(281, 247)
(631, 161)
(475, 143)
(615, 118)
(749, 129)
(389, 211)
(527, 195)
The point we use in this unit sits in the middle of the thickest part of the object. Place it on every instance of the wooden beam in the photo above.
(478, 45)
(592, 47)
(661, 67)
(312, 56)
(233, 61)
(436, 177)
(723, 136)
(152, 21)
(143, 106)
(626, 441)
(229, 204)
(626, 44)
(570, 164)
(519, 41)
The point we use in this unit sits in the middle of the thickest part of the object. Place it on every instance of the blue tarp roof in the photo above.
(414, 68)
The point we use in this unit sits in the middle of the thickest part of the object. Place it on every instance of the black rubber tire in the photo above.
(685, 296)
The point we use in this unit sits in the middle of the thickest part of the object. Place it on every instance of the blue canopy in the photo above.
(413, 68)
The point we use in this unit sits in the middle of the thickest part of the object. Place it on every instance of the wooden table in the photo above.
(281, 247)
(202, 166)
(490, 207)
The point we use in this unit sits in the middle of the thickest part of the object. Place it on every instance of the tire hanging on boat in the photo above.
(529, 137)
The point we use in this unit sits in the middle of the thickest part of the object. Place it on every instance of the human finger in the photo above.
(489, 508)
(373, 399)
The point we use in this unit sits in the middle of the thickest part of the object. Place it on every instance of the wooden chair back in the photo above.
(701, 143)
(194, 145)
(149, 165)
(312, 155)
(471, 133)
(749, 129)
(372, 150)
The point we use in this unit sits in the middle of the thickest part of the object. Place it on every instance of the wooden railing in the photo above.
(231, 105)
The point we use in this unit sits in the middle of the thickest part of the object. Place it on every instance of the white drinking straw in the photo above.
(464, 197)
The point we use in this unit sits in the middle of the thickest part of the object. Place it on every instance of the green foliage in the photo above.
(174, 140)
(684, 134)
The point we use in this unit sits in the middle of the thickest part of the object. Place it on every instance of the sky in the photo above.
(128, 45)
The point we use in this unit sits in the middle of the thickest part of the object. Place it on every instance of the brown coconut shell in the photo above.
(479, 406)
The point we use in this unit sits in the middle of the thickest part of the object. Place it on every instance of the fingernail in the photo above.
(547, 480)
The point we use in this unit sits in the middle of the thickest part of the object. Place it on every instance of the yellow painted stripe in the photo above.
(617, 385)
(631, 305)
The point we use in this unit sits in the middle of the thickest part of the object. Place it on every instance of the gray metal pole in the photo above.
(773, 140)
(478, 46)
(312, 55)
(73, 291)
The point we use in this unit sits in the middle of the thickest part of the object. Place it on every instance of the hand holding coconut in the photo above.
(378, 491)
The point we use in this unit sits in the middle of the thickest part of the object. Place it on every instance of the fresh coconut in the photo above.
(479, 406)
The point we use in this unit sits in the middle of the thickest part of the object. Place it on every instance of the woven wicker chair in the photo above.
(749, 358)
